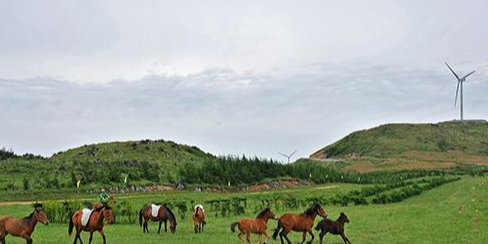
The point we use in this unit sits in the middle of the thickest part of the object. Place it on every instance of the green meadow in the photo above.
(455, 212)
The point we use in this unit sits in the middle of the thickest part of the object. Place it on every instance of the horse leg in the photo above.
(159, 229)
(304, 237)
(267, 236)
(165, 229)
(260, 239)
(284, 233)
(313, 236)
(28, 240)
(239, 236)
(248, 237)
(146, 229)
(344, 238)
(195, 228)
(321, 236)
(103, 236)
(91, 237)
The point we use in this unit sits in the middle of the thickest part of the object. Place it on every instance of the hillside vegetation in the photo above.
(411, 146)
(142, 162)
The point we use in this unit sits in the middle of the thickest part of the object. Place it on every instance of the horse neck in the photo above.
(341, 220)
(168, 215)
(313, 216)
(98, 216)
(264, 218)
(32, 221)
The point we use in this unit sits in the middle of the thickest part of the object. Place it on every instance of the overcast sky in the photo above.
(233, 77)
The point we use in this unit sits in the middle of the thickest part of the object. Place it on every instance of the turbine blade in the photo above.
(457, 90)
(466, 76)
(454, 73)
(293, 152)
(282, 154)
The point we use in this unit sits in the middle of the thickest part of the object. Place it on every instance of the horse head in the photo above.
(172, 226)
(108, 214)
(320, 210)
(344, 217)
(40, 215)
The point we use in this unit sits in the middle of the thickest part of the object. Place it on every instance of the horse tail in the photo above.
(71, 224)
(140, 217)
(277, 230)
(233, 226)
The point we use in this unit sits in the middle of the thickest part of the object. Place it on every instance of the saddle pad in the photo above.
(85, 216)
(155, 210)
(200, 206)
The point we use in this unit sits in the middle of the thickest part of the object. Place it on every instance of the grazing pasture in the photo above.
(454, 212)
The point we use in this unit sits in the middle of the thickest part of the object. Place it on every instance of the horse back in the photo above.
(296, 222)
(253, 225)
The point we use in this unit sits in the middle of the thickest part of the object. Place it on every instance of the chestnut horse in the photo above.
(198, 219)
(22, 227)
(257, 226)
(164, 214)
(334, 227)
(95, 223)
(299, 222)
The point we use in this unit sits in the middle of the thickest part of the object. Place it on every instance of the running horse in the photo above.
(299, 222)
(198, 218)
(95, 222)
(257, 226)
(157, 213)
(22, 227)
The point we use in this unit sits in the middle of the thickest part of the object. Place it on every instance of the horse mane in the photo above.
(170, 212)
(262, 213)
(30, 216)
(312, 210)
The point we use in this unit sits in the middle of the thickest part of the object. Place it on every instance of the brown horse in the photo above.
(257, 226)
(299, 222)
(22, 227)
(198, 219)
(163, 215)
(95, 222)
(334, 227)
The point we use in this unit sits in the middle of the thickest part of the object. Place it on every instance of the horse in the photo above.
(163, 215)
(198, 218)
(299, 222)
(95, 222)
(22, 227)
(334, 227)
(257, 225)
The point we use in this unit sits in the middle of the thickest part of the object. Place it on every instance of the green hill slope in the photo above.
(420, 145)
(142, 162)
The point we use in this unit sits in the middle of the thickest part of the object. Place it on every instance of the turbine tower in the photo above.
(459, 84)
(288, 156)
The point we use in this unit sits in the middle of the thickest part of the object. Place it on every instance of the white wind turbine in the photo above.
(459, 84)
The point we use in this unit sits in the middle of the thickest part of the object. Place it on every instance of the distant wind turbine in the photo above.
(459, 84)
(288, 156)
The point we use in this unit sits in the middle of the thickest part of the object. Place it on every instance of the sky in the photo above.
(233, 77)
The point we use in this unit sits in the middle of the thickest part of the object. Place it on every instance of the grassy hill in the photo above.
(410, 146)
(105, 163)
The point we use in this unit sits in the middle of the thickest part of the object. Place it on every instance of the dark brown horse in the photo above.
(256, 226)
(163, 215)
(22, 227)
(198, 219)
(299, 222)
(334, 227)
(95, 222)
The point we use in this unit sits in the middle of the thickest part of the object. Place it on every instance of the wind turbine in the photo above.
(288, 156)
(459, 84)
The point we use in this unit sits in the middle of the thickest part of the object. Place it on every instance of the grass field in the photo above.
(452, 213)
